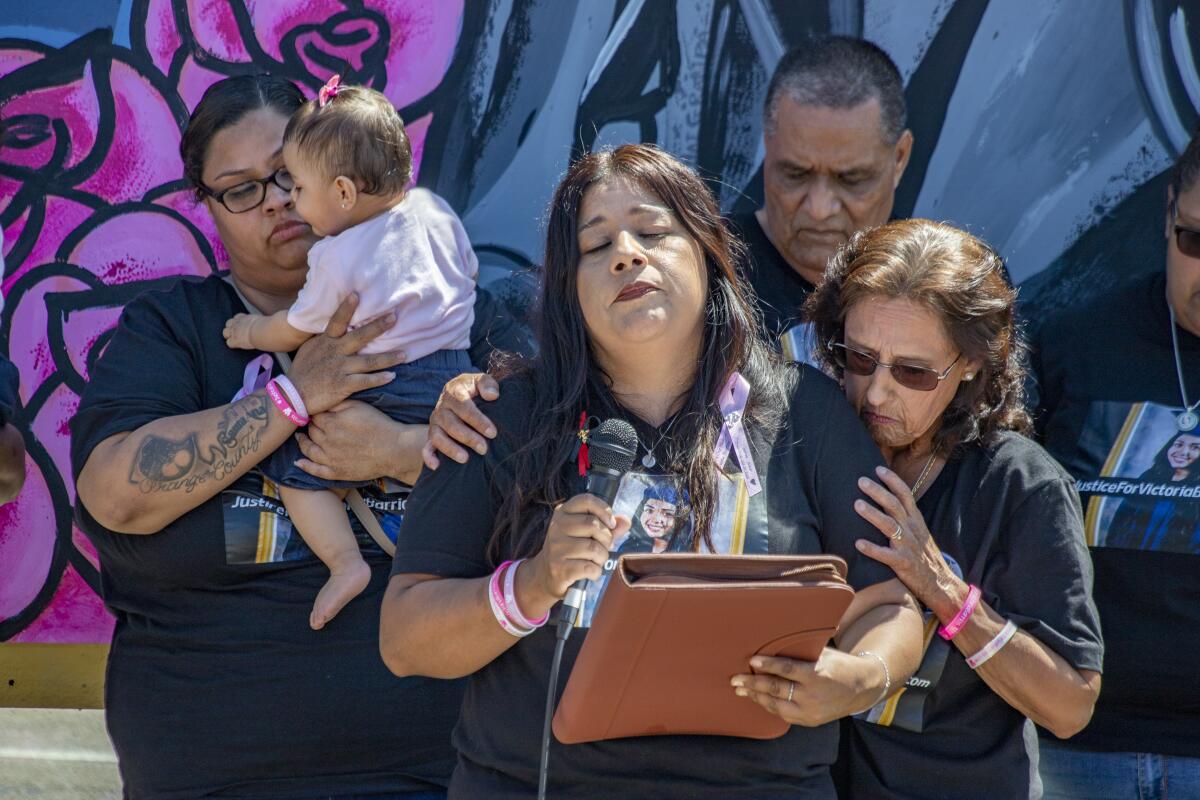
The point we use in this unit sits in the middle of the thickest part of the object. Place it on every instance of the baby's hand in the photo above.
(237, 331)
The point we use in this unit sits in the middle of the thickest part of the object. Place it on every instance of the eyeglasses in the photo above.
(1186, 239)
(249, 195)
(922, 379)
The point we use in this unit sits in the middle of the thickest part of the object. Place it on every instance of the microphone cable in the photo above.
(565, 623)
(613, 447)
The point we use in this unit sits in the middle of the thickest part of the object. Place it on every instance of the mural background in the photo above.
(1044, 127)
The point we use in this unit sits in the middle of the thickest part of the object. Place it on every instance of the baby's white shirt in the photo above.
(414, 259)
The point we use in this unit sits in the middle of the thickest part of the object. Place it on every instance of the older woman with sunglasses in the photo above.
(915, 319)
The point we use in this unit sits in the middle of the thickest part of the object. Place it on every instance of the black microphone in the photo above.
(611, 450)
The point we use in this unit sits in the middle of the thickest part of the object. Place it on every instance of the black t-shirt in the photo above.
(1006, 517)
(809, 468)
(1108, 398)
(216, 684)
(781, 291)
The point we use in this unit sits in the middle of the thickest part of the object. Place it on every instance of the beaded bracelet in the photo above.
(994, 646)
(293, 395)
(951, 628)
(500, 607)
(510, 597)
(276, 395)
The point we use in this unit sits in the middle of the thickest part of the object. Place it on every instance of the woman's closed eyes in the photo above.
(654, 236)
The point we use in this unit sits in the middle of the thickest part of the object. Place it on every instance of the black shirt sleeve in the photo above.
(450, 515)
(844, 453)
(447, 522)
(148, 371)
(1043, 576)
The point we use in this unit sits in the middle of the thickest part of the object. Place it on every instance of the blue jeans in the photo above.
(1070, 774)
(410, 398)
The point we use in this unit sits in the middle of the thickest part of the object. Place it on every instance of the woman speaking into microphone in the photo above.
(644, 319)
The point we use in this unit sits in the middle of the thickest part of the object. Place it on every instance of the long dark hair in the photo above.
(566, 379)
(1161, 470)
(223, 105)
(960, 279)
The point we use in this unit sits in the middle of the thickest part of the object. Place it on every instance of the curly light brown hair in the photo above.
(962, 281)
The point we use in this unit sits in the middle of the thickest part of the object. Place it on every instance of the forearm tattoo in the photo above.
(164, 465)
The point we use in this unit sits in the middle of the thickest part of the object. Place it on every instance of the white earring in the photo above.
(970, 376)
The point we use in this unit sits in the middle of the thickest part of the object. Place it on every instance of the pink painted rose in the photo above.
(94, 210)
(84, 128)
(90, 142)
(402, 47)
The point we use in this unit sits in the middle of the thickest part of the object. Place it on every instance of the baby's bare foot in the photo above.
(345, 583)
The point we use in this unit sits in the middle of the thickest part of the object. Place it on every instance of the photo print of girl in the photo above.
(1141, 489)
(661, 522)
(654, 521)
(1162, 523)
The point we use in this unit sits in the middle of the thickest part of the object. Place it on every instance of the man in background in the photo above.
(1117, 402)
(834, 127)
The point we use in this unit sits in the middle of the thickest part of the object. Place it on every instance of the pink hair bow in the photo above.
(328, 91)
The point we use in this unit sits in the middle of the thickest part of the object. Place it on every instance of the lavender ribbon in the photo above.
(257, 373)
(732, 401)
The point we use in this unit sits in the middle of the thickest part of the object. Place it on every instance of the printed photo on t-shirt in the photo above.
(662, 522)
(258, 529)
(906, 708)
(1146, 494)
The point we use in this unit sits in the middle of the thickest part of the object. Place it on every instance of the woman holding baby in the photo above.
(217, 683)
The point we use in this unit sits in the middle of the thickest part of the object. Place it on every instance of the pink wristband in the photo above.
(293, 395)
(510, 597)
(499, 607)
(281, 403)
(994, 646)
(951, 628)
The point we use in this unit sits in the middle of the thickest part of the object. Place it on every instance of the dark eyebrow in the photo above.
(229, 172)
(908, 361)
(245, 170)
(641, 209)
(787, 163)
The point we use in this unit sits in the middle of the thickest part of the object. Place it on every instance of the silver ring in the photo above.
(899, 533)
(791, 690)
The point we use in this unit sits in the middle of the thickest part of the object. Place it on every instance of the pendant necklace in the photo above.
(1187, 419)
(648, 460)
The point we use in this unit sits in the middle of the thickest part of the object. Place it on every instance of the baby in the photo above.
(401, 250)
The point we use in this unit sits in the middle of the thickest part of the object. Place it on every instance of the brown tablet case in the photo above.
(673, 628)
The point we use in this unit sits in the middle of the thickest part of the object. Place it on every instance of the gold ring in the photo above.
(899, 533)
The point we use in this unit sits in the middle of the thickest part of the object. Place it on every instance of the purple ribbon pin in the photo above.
(732, 401)
(257, 373)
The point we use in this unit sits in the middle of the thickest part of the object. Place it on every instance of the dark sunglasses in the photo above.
(922, 379)
(1186, 239)
(246, 196)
